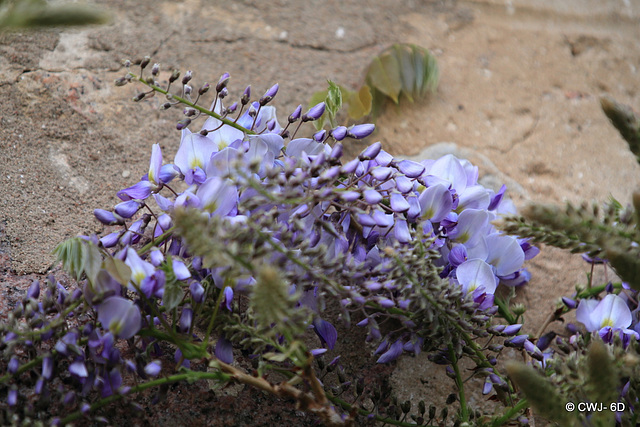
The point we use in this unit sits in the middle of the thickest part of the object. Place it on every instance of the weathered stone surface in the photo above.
(518, 96)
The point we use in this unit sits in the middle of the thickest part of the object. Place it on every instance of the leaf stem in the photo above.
(464, 412)
(205, 342)
(504, 311)
(192, 105)
(511, 412)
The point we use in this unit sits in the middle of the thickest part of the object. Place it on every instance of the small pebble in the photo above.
(126, 173)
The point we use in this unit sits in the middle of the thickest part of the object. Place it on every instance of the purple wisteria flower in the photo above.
(120, 316)
(608, 316)
(153, 183)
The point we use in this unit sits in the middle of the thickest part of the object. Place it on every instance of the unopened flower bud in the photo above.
(421, 407)
(187, 77)
(517, 341)
(126, 63)
(197, 292)
(222, 82)
(145, 61)
(314, 113)
(203, 89)
(269, 95)
(361, 131)
(495, 347)
(336, 152)
(12, 396)
(609, 288)
(183, 124)
(189, 112)
(497, 329)
(370, 152)
(165, 106)
(14, 364)
(34, 290)
(319, 136)
(533, 350)
(570, 303)
(223, 93)
(155, 69)
(153, 368)
(512, 329)
(187, 90)
(139, 97)
(296, 114)
(518, 309)
(246, 96)
(47, 367)
(544, 341)
(232, 108)
(339, 133)
(175, 75)
(185, 318)
(444, 413)
(121, 81)
(107, 217)
(450, 372)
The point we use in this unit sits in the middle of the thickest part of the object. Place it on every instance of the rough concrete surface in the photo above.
(518, 96)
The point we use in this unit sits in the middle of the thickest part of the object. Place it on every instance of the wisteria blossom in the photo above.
(609, 316)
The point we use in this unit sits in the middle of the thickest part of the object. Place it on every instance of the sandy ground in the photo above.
(518, 96)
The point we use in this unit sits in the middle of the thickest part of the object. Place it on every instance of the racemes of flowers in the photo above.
(242, 242)
(595, 360)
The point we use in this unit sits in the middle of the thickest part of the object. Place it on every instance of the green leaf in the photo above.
(120, 271)
(92, 260)
(384, 75)
(333, 102)
(429, 73)
(402, 69)
(407, 71)
(173, 294)
(37, 13)
(70, 252)
(359, 103)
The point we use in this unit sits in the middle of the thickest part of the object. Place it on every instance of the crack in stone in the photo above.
(525, 136)
(291, 44)
(162, 42)
(328, 49)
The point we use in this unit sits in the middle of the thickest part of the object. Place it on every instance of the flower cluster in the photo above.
(248, 210)
(355, 209)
